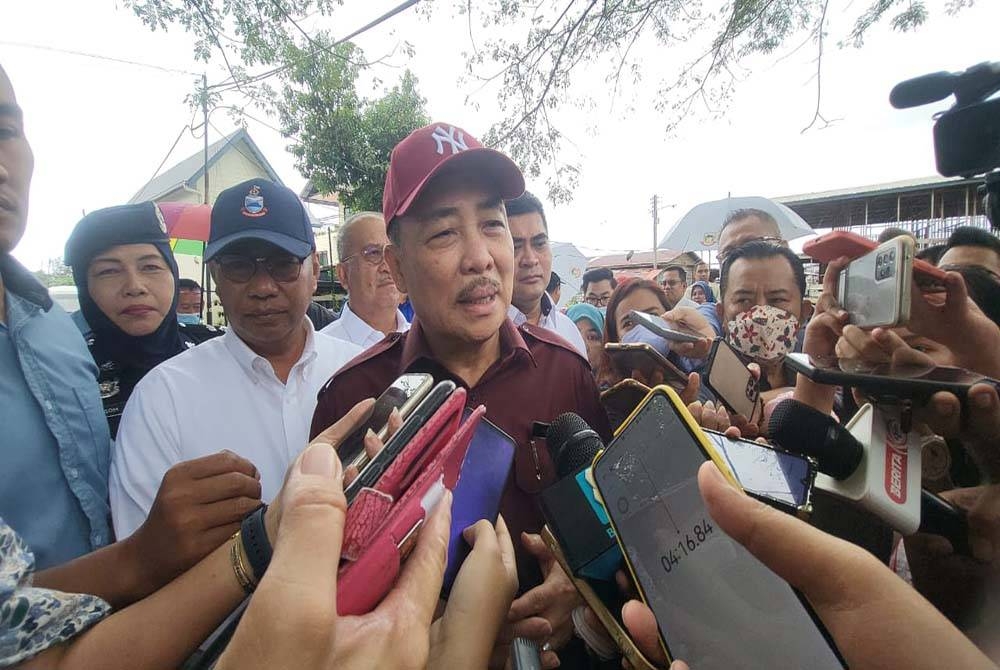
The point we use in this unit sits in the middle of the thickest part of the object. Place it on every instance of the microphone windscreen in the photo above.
(801, 429)
(572, 443)
(923, 90)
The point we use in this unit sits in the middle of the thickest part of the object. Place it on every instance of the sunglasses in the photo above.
(241, 269)
(373, 253)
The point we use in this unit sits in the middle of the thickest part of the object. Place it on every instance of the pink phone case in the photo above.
(363, 582)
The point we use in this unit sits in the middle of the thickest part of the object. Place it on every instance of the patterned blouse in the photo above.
(33, 619)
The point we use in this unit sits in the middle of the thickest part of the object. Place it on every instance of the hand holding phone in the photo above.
(876, 288)
(729, 378)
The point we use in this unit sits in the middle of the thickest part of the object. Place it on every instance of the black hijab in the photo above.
(98, 231)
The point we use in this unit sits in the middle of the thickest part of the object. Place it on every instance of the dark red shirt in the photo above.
(537, 377)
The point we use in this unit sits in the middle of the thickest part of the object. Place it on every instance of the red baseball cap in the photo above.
(425, 152)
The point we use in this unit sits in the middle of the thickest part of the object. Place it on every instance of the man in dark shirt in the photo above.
(451, 251)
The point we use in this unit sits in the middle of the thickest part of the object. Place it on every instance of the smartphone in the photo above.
(875, 289)
(833, 245)
(664, 329)
(606, 601)
(887, 381)
(774, 476)
(728, 377)
(621, 400)
(424, 411)
(717, 607)
(480, 487)
(647, 360)
(403, 395)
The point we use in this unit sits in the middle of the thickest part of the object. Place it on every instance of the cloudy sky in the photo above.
(100, 128)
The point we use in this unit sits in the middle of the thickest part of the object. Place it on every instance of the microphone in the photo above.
(923, 90)
(871, 462)
(524, 655)
(571, 511)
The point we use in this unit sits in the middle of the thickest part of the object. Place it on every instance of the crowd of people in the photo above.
(158, 472)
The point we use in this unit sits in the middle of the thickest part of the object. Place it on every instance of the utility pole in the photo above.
(206, 275)
(656, 223)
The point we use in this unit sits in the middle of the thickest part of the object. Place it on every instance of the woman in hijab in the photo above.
(127, 278)
(701, 292)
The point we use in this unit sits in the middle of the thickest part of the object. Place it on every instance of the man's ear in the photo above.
(212, 270)
(719, 311)
(314, 261)
(393, 260)
(807, 310)
(342, 276)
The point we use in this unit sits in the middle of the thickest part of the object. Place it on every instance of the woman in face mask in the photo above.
(127, 279)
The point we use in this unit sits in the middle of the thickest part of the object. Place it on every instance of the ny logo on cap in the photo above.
(253, 203)
(453, 136)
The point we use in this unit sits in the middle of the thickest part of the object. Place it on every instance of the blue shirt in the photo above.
(54, 445)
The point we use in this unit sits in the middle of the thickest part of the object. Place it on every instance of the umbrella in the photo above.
(185, 221)
(698, 230)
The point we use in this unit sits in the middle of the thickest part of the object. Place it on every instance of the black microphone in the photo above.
(865, 473)
(571, 511)
(923, 90)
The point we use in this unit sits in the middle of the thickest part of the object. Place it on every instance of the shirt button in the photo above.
(48, 405)
(96, 539)
(73, 473)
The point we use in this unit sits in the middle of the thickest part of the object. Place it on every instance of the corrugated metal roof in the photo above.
(904, 186)
(189, 170)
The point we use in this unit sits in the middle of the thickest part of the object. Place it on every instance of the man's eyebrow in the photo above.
(540, 237)
(440, 213)
(493, 202)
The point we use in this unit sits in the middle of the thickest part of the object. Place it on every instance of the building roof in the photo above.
(919, 184)
(639, 259)
(190, 170)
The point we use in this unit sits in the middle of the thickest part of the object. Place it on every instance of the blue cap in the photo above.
(587, 311)
(259, 209)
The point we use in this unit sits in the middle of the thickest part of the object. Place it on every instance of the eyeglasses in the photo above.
(725, 253)
(597, 301)
(241, 269)
(373, 253)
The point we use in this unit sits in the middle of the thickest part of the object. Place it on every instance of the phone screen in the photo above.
(730, 379)
(479, 489)
(776, 475)
(407, 390)
(717, 607)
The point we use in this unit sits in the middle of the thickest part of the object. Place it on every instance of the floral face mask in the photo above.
(764, 333)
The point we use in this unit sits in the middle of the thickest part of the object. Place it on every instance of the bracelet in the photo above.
(255, 544)
(239, 565)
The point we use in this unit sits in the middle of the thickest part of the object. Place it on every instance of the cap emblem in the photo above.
(453, 136)
(253, 203)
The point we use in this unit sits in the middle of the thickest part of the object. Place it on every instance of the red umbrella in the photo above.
(185, 221)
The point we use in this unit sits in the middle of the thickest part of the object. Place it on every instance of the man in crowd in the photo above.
(372, 310)
(598, 285)
(532, 270)
(701, 272)
(252, 390)
(453, 254)
(747, 225)
(188, 302)
(56, 446)
(675, 285)
(972, 247)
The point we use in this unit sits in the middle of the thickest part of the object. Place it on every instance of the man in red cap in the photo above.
(451, 251)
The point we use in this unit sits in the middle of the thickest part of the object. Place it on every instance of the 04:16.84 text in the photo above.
(686, 546)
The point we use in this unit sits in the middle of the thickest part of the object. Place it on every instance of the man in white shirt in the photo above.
(252, 391)
(532, 270)
(372, 310)
(675, 284)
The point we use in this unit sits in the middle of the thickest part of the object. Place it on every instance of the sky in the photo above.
(99, 129)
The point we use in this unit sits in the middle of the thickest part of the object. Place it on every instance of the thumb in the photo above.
(535, 545)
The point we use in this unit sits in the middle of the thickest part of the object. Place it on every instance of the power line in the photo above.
(71, 52)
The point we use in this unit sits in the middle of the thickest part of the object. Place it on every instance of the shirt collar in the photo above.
(253, 363)
(18, 281)
(519, 317)
(359, 330)
(415, 346)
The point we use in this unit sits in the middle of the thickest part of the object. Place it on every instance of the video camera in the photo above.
(967, 136)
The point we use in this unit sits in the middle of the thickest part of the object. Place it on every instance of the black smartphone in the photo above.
(666, 330)
(774, 476)
(403, 394)
(621, 399)
(717, 607)
(887, 381)
(647, 360)
(424, 411)
(728, 377)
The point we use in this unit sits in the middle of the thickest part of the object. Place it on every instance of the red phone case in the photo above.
(830, 247)
(382, 517)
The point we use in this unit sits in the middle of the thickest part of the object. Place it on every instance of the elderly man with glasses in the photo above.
(372, 309)
(253, 390)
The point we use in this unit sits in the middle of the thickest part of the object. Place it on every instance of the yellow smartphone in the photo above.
(717, 607)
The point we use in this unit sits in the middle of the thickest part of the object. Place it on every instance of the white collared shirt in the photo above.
(553, 320)
(217, 395)
(352, 328)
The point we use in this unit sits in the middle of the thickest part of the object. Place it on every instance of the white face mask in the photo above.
(764, 333)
